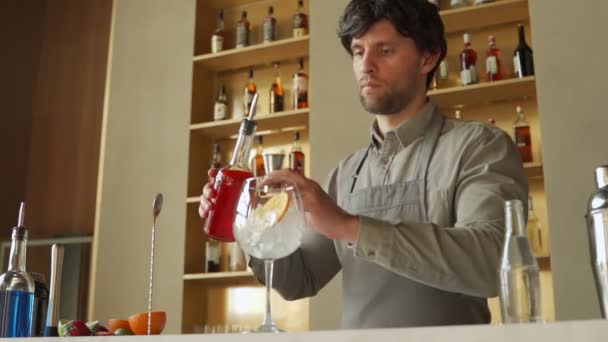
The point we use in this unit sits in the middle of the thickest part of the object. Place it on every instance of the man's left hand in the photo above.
(323, 214)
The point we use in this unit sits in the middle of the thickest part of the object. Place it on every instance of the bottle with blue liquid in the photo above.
(17, 288)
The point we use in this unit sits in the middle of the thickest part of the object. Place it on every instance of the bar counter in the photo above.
(571, 331)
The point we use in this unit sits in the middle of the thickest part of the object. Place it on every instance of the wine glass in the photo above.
(269, 224)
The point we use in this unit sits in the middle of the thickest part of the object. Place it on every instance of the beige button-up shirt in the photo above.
(474, 169)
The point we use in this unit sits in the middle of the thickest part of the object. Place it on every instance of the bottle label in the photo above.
(268, 31)
(217, 44)
(300, 86)
(242, 36)
(299, 32)
(517, 65)
(213, 252)
(492, 65)
(219, 111)
(468, 76)
(443, 70)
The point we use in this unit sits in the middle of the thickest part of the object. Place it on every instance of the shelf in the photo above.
(259, 54)
(267, 123)
(192, 200)
(534, 169)
(498, 91)
(222, 277)
(490, 14)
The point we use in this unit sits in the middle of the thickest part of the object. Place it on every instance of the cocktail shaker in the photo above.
(597, 225)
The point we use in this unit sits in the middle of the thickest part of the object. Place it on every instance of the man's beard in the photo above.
(387, 104)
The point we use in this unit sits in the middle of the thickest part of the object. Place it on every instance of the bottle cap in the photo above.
(467, 38)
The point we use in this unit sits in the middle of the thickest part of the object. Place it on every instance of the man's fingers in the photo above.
(212, 172)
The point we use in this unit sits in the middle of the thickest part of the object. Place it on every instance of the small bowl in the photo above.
(139, 323)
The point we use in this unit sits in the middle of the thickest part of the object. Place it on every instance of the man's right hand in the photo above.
(208, 197)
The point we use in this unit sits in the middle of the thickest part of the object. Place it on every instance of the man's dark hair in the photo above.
(416, 19)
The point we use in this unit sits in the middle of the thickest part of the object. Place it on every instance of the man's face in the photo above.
(388, 68)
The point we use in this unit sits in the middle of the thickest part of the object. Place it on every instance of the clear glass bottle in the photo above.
(519, 273)
(220, 108)
(217, 39)
(468, 63)
(300, 21)
(523, 136)
(277, 92)
(257, 162)
(270, 23)
(17, 288)
(534, 230)
(296, 156)
(300, 87)
(216, 159)
(243, 31)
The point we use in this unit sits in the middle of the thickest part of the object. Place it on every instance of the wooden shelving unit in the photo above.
(486, 92)
(259, 54)
(534, 169)
(485, 15)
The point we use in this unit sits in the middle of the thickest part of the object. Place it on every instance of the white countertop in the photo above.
(579, 331)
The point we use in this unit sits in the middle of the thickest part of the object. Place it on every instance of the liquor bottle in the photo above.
(228, 183)
(257, 162)
(535, 233)
(493, 68)
(277, 93)
(216, 159)
(220, 109)
(250, 91)
(458, 3)
(458, 114)
(296, 157)
(17, 288)
(519, 273)
(237, 258)
(300, 87)
(212, 256)
(523, 61)
(300, 21)
(523, 136)
(217, 39)
(270, 23)
(468, 61)
(440, 79)
(243, 31)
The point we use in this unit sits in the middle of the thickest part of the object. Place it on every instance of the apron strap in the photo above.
(359, 167)
(426, 154)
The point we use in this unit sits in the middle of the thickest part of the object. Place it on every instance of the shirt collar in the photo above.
(410, 130)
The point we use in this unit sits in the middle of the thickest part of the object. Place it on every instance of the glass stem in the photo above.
(268, 266)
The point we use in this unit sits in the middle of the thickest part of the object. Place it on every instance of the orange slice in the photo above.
(275, 208)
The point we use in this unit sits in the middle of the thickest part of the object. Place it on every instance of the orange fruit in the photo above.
(275, 208)
(115, 324)
(139, 323)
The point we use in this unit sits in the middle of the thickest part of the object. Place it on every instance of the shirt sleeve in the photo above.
(303, 273)
(464, 258)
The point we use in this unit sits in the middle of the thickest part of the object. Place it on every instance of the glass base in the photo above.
(265, 329)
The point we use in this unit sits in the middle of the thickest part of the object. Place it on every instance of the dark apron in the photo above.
(375, 297)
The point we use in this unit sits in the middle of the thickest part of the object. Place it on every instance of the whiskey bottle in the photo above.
(243, 31)
(493, 69)
(296, 157)
(220, 109)
(468, 61)
(250, 90)
(300, 87)
(217, 39)
(277, 93)
(523, 62)
(257, 162)
(300, 21)
(213, 252)
(270, 23)
(523, 136)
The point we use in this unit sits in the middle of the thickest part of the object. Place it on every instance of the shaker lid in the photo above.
(599, 200)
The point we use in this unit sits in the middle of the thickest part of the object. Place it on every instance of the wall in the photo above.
(569, 56)
(143, 151)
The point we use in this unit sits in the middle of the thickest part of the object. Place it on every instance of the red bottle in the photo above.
(228, 183)
(468, 61)
(493, 69)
